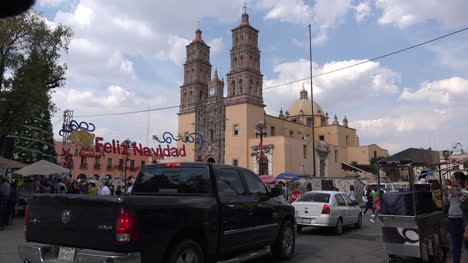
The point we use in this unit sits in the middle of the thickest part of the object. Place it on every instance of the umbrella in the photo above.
(287, 176)
(44, 168)
(266, 179)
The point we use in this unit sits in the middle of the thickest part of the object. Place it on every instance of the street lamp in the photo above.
(125, 172)
(261, 131)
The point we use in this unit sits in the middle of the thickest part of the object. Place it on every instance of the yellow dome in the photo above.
(306, 106)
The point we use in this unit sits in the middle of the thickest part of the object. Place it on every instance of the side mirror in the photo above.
(275, 192)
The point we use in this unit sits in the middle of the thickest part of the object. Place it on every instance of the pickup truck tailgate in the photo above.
(74, 220)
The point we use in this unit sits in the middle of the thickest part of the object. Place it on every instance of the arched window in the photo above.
(257, 89)
(190, 98)
(211, 134)
(233, 87)
(240, 87)
(251, 86)
(184, 99)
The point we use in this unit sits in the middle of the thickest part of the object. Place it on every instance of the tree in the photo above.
(30, 50)
(29, 112)
(35, 141)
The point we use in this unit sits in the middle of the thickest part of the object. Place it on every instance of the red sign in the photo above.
(117, 148)
(295, 195)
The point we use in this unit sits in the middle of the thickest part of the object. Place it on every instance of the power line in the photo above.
(372, 59)
(294, 81)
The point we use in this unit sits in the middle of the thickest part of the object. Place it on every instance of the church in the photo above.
(236, 129)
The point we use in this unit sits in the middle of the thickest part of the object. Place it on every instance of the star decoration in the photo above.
(155, 137)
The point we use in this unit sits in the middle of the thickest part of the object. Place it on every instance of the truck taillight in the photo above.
(326, 210)
(125, 227)
(26, 219)
(172, 165)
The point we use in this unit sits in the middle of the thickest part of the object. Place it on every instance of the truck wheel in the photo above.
(299, 228)
(186, 251)
(283, 247)
(339, 226)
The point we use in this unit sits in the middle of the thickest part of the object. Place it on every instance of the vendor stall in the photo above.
(412, 226)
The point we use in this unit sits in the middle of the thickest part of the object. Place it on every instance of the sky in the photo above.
(129, 55)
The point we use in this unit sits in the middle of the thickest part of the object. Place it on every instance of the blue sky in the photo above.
(126, 55)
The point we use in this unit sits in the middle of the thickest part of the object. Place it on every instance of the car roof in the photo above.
(324, 192)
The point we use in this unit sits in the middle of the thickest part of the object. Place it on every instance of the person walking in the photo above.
(352, 194)
(118, 191)
(93, 189)
(377, 201)
(455, 214)
(4, 194)
(105, 190)
(370, 202)
(13, 197)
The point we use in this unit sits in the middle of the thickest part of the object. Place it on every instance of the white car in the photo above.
(326, 209)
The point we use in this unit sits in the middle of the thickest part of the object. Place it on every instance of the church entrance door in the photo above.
(211, 160)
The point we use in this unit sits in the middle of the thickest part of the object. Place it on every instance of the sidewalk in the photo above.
(10, 237)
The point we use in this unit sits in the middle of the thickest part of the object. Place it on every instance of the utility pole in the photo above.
(312, 99)
(67, 118)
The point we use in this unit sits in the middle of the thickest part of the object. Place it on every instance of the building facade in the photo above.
(229, 123)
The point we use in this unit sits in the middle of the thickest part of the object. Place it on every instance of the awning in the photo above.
(44, 168)
(414, 156)
(362, 168)
(8, 163)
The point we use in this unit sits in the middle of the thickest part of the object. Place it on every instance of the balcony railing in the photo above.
(97, 166)
(83, 166)
(109, 167)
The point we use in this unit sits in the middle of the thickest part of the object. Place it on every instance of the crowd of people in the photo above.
(9, 191)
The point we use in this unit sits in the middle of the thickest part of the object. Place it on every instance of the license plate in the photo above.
(305, 220)
(66, 254)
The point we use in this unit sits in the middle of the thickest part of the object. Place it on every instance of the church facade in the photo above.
(229, 122)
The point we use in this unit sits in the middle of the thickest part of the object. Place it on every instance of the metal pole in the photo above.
(413, 193)
(312, 99)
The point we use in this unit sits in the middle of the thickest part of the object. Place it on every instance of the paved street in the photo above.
(313, 245)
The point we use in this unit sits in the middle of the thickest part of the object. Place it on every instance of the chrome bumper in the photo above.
(31, 252)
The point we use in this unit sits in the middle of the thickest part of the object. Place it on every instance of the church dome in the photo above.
(305, 104)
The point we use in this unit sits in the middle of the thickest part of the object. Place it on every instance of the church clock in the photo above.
(212, 91)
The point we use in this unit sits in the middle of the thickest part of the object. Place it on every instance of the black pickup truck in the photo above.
(177, 213)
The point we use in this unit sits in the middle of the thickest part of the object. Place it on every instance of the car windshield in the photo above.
(314, 197)
(173, 180)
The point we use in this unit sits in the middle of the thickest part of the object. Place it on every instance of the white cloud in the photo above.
(433, 113)
(362, 10)
(49, 3)
(297, 43)
(445, 92)
(323, 15)
(216, 45)
(352, 86)
(404, 13)
(116, 99)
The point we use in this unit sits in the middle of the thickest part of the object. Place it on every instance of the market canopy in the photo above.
(414, 156)
(44, 168)
(287, 176)
(8, 163)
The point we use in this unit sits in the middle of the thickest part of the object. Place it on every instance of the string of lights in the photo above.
(298, 80)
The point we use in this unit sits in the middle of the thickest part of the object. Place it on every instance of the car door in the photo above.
(342, 208)
(236, 211)
(266, 213)
(353, 211)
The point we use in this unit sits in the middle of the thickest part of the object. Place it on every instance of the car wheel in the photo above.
(186, 251)
(359, 221)
(339, 226)
(283, 247)
(299, 228)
